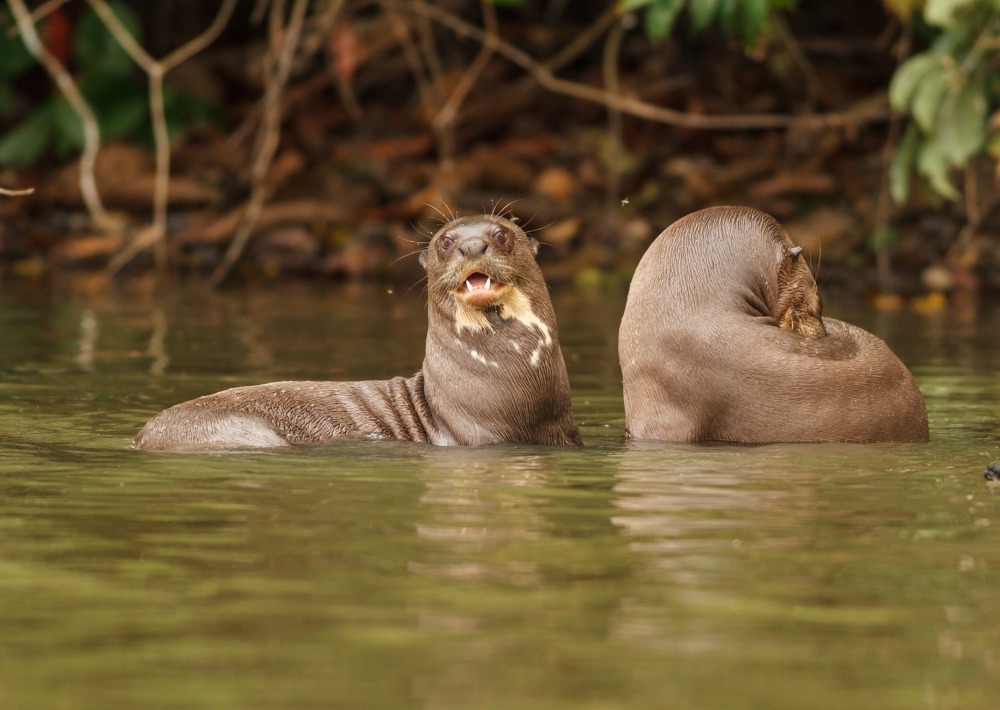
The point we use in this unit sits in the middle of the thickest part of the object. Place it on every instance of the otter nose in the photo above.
(473, 246)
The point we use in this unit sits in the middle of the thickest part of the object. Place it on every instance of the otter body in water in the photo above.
(723, 339)
(493, 371)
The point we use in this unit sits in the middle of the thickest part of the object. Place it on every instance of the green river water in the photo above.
(396, 575)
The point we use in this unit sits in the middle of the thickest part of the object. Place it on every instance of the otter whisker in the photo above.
(416, 283)
(404, 256)
(508, 208)
(437, 209)
(421, 242)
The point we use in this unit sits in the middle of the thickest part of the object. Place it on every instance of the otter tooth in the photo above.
(468, 286)
(487, 283)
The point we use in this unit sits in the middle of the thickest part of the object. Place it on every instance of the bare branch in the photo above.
(69, 89)
(122, 35)
(40, 13)
(584, 39)
(634, 107)
(156, 70)
(283, 41)
(197, 44)
(612, 48)
(426, 86)
(444, 121)
(16, 193)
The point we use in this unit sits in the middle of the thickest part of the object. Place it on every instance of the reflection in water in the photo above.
(475, 517)
(157, 350)
(88, 339)
(387, 574)
(476, 509)
(689, 511)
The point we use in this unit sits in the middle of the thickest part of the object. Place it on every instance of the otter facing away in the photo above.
(723, 339)
(492, 373)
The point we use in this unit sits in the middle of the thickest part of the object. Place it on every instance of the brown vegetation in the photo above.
(356, 125)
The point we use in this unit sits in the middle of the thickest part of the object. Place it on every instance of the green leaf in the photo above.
(909, 75)
(883, 238)
(755, 14)
(184, 111)
(902, 9)
(10, 101)
(95, 48)
(625, 6)
(25, 144)
(661, 16)
(932, 164)
(903, 163)
(728, 15)
(14, 56)
(942, 13)
(120, 103)
(702, 13)
(67, 136)
(929, 97)
(962, 124)
(993, 146)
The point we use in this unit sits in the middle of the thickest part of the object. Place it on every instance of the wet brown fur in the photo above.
(723, 339)
(489, 376)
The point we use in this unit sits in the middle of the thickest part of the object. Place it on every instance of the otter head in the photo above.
(481, 265)
(799, 306)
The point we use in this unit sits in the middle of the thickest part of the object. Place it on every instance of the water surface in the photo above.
(388, 574)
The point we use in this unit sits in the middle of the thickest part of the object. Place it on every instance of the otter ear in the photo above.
(795, 251)
(534, 245)
(423, 259)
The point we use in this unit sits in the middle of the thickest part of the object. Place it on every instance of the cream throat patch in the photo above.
(515, 305)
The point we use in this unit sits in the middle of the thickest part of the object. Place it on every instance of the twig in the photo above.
(883, 202)
(339, 75)
(283, 41)
(39, 14)
(635, 107)
(435, 69)
(91, 132)
(612, 47)
(814, 87)
(444, 121)
(427, 89)
(883, 209)
(259, 8)
(156, 70)
(16, 193)
(583, 39)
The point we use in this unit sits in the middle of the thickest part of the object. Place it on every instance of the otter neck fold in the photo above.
(503, 380)
(493, 370)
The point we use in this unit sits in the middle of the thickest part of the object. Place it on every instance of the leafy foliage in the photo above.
(745, 20)
(949, 90)
(108, 81)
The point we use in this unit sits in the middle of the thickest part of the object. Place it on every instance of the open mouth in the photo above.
(478, 282)
(480, 290)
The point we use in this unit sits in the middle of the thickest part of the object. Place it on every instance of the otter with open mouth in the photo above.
(493, 371)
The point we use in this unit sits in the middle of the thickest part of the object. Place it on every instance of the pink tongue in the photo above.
(476, 281)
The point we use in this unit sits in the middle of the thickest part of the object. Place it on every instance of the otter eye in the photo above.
(446, 242)
(499, 236)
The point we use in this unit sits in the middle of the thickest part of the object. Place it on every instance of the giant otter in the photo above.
(723, 339)
(493, 371)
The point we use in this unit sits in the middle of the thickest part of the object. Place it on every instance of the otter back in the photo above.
(723, 339)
